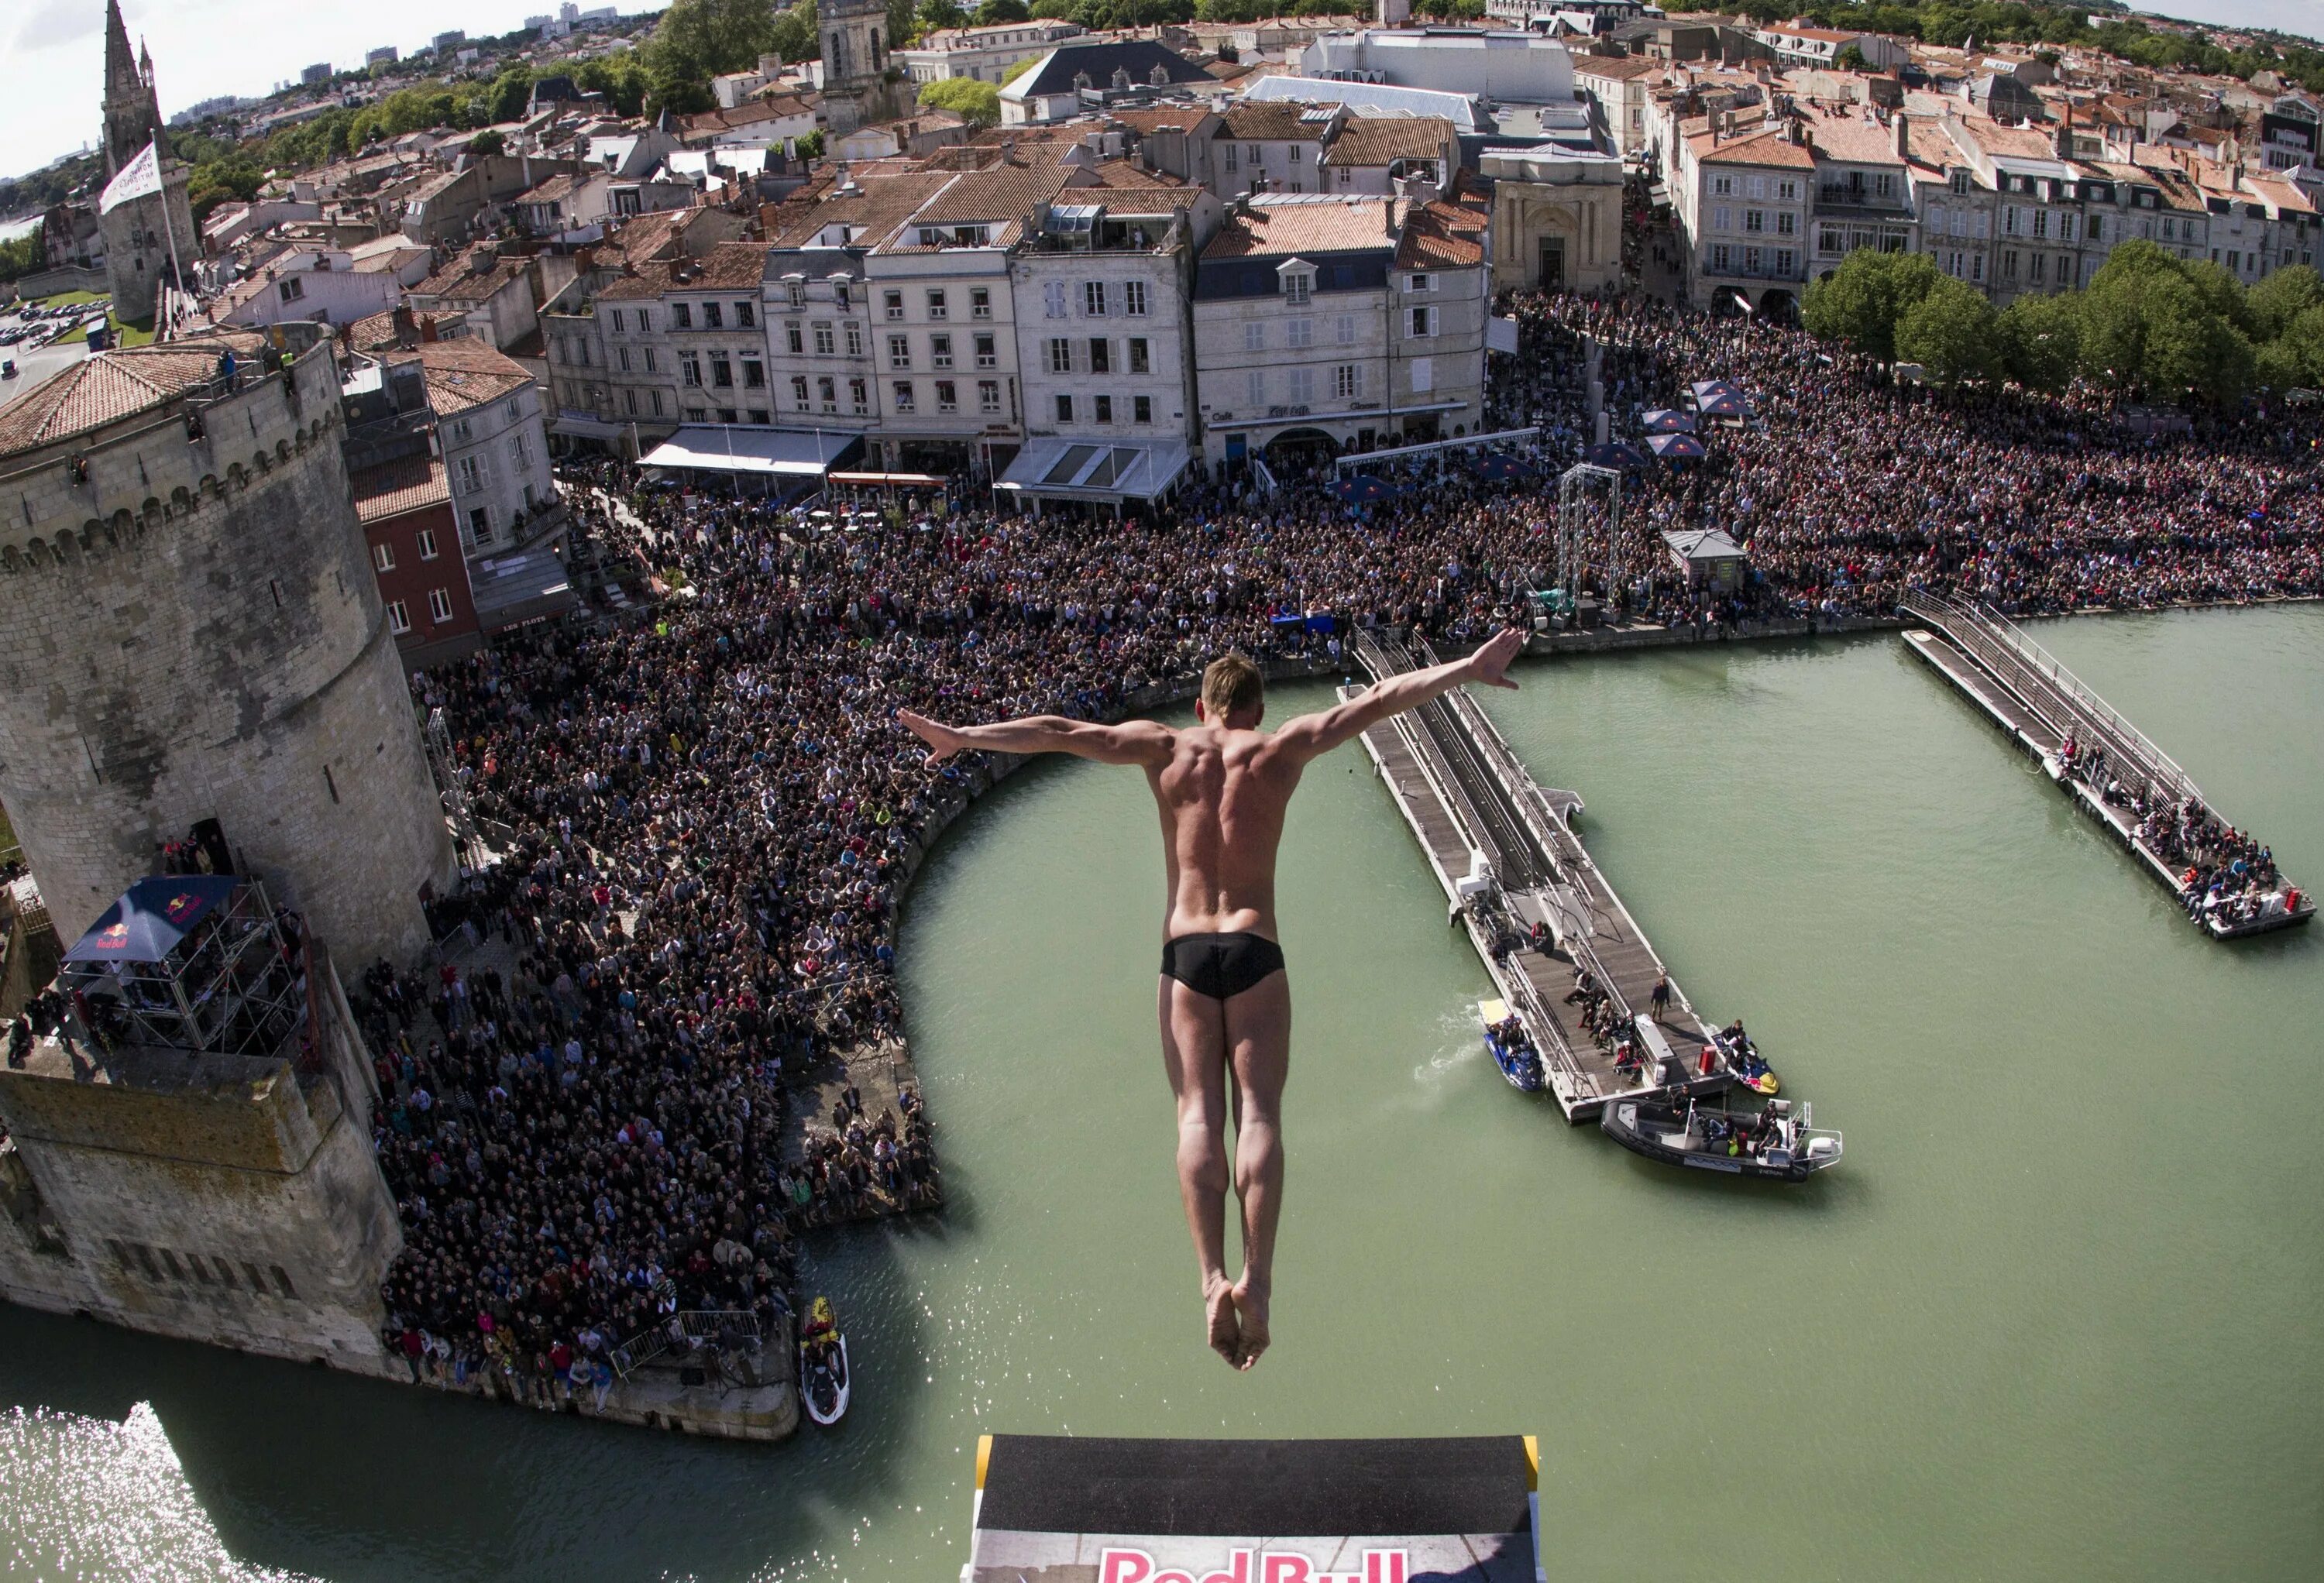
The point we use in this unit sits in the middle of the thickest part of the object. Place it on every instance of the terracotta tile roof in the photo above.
(871, 214)
(372, 333)
(1616, 68)
(1277, 121)
(1280, 225)
(1382, 140)
(1444, 234)
(653, 278)
(413, 483)
(468, 279)
(1769, 147)
(1004, 193)
(556, 189)
(1169, 118)
(1854, 140)
(730, 265)
(464, 373)
(114, 385)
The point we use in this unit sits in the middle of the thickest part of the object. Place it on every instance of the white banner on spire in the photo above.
(139, 178)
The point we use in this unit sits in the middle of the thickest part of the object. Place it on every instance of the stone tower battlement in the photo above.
(191, 629)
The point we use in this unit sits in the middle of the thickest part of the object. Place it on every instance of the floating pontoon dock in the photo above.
(1501, 845)
(2042, 704)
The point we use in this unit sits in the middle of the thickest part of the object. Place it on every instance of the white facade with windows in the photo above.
(944, 338)
(496, 460)
(1102, 337)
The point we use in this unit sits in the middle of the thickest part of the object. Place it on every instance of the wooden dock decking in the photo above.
(2040, 704)
(1464, 795)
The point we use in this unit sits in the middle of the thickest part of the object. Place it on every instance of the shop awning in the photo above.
(1097, 469)
(574, 426)
(522, 586)
(888, 480)
(765, 452)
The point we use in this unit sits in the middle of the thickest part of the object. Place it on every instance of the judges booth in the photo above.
(1080, 1510)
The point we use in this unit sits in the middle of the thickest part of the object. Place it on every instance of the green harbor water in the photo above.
(2057, 1316)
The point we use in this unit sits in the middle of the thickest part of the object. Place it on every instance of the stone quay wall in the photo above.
(190, 628)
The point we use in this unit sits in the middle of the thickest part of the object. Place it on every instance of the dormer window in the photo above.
(1298, 278)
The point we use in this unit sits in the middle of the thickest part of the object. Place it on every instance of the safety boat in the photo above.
(1510, 1047)
(823, 1363)
(1777, 1144)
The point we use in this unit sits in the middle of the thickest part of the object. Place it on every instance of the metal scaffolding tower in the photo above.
(1575, 526)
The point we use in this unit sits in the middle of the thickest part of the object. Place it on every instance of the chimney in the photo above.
(428, 329)
(2065, 141)
(407, 331)
(1902, 124)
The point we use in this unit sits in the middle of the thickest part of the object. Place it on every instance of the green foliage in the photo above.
(23, 255)
(698, 39)
(1948, 331)
(1022, 67)
(487, 143)
(2040, 341)
(994, 13)
(1052, 11)
(1852, 59)
(978, 103)
(810, 147)
(795, 37)
(511, 92)
(2283, 296)
(1863, 300)
(620, 76)
(935, 15)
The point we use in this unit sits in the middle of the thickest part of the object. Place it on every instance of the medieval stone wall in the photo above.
(189, 629)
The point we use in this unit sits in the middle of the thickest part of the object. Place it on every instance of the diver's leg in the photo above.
(1194, 1055)
(1259, 1049)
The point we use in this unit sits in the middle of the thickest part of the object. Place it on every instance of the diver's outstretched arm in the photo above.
(1133, 741)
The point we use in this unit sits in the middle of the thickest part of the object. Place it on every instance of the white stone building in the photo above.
(491, 425)
(982, 54)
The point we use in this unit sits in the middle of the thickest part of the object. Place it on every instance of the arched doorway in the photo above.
(1779, 306)
(1298, 449)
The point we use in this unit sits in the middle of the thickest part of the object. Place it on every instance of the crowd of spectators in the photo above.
(702, 817)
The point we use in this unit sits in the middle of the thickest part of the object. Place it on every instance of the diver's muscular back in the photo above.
(1222, 793)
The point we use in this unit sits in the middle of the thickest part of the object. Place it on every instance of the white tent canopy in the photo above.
(764, 452)
(1102, 470)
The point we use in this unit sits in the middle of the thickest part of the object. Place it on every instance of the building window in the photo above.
(842, 295)
(1093, 298)
(947, 396)
(899, 352)
(824, 341)
(1347, 382)
(1255, 388)
(383, 560)
(1789, 190)
(650, 366)
(292, 289)
(1230, 165)
(859, 392)
(681, 316)
(1420, 283)
(617, 321)
(986, 356)
(399, 622)
(793, 338)
(1104, 410)
(1301, 332)
(754, 374)
(690, 368)
(1139, 362)
(1786, 223)
(472, 475)
(1061, 356)
(854, 340)
(1303, 386)
(1755, 219)
(1297, 285)
(988, 395)
(940, 351)
(1133, 298)
(1783, 262)
(936, 305)
(828, 392)
(1141, 409)
(655, 397)
(1344, 331)
(1424, 322)
(427, 540)
(1721, 257)
(1722, 218)
(1053, 299)
(439, 606)
(1722, 186)
(798, 392)
(1065, 409)
(980, 302)
(795, 290)
(895, 302)
(903, 395)
(1254, 337)
(746, 315)
(2041, 222)
(1101, 358)
(721, 371)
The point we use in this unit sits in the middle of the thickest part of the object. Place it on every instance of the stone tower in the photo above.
(149, 237)
(857, 90)
(191, 629)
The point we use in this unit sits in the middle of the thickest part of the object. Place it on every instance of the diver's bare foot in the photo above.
(1226, 1328)
(1250, 1316)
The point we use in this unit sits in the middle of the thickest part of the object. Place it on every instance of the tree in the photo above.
(1948, 331)
(1022, 67)
(795, 36)
(2040, 340)
(1851, 58)
(487, 143)
(1862, 301)
(936, 15)
(977, 102)
(994, 13)
(2294, 359)
(698, 39)
(2149, 318)
(2282, 298)
(511, 92)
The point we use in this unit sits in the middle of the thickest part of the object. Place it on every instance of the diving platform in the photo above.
(1095, 1510)
(1504, 849)
(2107, 764)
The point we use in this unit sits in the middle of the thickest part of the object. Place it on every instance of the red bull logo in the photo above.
(181, 906)
(1121, 1565)
(112, 936)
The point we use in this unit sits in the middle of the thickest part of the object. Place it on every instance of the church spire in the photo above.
(144, 61)
(120, 65)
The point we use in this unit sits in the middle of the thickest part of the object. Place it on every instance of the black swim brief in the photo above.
(1221, 966)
